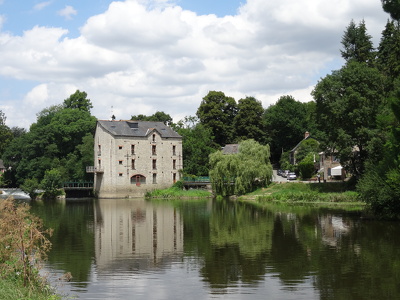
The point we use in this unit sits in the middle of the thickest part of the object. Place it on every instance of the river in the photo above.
(137, 249)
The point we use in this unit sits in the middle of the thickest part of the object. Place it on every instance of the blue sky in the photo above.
(143, 56)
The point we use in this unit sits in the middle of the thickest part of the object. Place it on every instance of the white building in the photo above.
(133, 157)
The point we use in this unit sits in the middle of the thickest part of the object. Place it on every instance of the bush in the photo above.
(52, 183)
(381, 191)
(306, 167)
(23, 243)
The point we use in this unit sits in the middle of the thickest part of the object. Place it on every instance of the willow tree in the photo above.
(242, 172)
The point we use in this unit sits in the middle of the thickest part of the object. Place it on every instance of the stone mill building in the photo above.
(133, 157)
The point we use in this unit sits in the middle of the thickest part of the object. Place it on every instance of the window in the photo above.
(154, 137)
(153, 150)
(99, 151)
(133, 164)
(173, 150)
(120, 162)
(133, 149)
(154, 178)
(120, 174)
(99, 162)
(174, 164)
(154, 164)
(174, 178)
(119, 147)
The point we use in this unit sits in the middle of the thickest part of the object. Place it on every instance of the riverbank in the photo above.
(24, 246)
(333, 194)
(176, 192)
(12, 289)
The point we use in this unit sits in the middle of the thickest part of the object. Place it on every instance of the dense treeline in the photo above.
(56, 148)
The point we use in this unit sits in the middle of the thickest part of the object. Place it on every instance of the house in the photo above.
(134, 157)
(330, 167)
(294, 151)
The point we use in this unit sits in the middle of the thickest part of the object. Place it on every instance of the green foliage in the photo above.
(176, 192)
(309, 193)
(308, 147)
(78, 100)
(243, 172)
(348, 103)
(5, 133)
(392, 7)
(284, 161)
(51, 183)
(248, 122)
(159, 116)
(286, 123)
(197, 145)
(389, 51)
(61, 138)
(357, 44)
(30, 186)
(306, 166)
(217, 112)
(23, 243)
(379, 187)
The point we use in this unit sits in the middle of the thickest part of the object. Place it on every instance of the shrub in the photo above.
(23, 243)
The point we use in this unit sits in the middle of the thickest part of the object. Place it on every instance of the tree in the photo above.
(5, 133)
(237, 174)
(248, 122)
(51, 183)
(392, 7)
(217, 112)
(53, 142)
(357, 44)
(307, 147)
(348, 103)
(306, 166)
(159, 116)
(197, 145)
(379, 187)
(78, 100)
(286, 123)
(388, 56)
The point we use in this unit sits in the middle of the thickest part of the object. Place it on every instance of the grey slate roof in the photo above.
(230, 149)
(137, 128)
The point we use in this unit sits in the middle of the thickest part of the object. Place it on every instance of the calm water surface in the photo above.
(136, 249)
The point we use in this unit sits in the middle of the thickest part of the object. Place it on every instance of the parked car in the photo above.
(291, 176)
(285, 173)
(280, 172)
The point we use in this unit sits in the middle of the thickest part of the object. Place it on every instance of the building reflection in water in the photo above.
(136, 235)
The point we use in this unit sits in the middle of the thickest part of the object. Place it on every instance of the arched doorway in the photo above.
(138, 179)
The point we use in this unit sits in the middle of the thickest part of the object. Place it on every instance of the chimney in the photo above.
(306, 134)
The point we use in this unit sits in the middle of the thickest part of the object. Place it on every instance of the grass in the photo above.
(11, 289)
(306, 193)
(176, 192)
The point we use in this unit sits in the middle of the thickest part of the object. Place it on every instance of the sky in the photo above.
(142, 56)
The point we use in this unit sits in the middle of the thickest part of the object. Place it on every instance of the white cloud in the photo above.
(143, 56)
(67, 12)
(41, 5)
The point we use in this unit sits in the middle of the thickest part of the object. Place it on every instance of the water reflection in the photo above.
(209, 249)
(135, 235)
